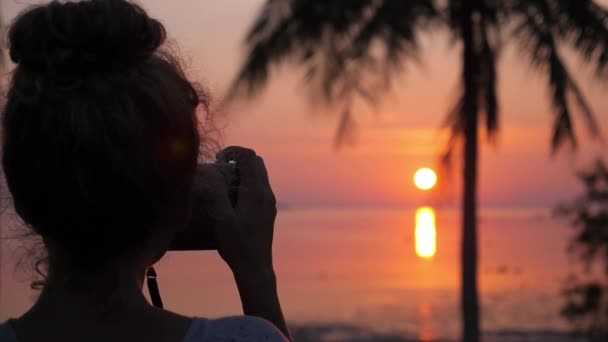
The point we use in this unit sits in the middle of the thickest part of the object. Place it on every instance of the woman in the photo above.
(100, 153)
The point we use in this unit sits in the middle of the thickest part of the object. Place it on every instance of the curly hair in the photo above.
(100, 133)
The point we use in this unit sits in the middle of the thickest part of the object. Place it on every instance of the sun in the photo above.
(425, 178)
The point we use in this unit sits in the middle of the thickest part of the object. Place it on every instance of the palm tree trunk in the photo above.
(469, 299)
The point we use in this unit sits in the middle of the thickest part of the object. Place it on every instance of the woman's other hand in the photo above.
(244, 234)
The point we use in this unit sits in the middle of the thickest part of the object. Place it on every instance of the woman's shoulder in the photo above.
(6, 332)
(237, 328)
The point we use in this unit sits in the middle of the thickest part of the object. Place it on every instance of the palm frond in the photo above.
(294, 29)
(394, 24)
(454, 122)
(348, 50)
(592, 125)
(345, 134)
(343, 46)
(583, 25)
(537, 31)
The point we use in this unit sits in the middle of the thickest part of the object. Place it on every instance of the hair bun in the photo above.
(93, 35)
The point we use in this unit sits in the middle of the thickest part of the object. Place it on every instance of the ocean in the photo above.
(354, 275)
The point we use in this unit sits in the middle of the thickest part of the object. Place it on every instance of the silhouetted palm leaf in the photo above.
(583, 25)
(343, 46)
(537, 31)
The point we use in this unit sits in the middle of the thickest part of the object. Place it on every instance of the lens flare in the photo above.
(426, 233)
(425, 179)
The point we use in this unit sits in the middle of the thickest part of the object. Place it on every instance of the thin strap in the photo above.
(153, 288)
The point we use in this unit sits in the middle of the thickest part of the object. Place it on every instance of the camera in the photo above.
(230, 172)
(199, 234)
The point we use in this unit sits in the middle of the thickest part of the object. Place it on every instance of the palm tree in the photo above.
(351, 49)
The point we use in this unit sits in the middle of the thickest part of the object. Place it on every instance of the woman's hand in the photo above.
(244, 234)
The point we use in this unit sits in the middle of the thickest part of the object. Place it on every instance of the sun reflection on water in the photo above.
(426, 233)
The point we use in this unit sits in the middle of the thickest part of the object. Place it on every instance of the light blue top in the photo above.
(237, 329)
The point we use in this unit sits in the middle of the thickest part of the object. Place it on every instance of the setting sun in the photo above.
(426, 233)
(425, 179)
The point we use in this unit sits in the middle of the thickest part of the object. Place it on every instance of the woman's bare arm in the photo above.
(244, 234)
(259, 297)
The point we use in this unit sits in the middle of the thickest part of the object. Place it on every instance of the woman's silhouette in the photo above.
(100, 152)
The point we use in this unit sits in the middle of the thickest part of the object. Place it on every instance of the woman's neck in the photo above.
(92, 294)
(116, 313)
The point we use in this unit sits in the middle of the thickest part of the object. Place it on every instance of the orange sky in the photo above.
(393, 140)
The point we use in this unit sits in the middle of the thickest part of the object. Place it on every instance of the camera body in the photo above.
(230, 172)
(199, 234)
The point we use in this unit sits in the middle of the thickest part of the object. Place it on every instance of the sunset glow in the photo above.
(426, 233)
(425, 179)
